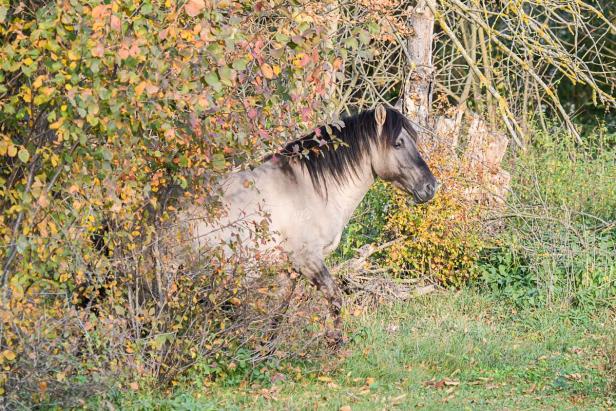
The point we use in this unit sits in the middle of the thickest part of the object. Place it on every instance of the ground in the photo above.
(449, 350)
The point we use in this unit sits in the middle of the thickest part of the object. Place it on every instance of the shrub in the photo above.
(439, 239)
(110, 112)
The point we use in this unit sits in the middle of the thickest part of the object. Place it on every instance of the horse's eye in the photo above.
(399, 143)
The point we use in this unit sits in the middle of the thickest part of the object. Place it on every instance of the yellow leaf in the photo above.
(27, 95)
(9, 355)
(38, 82)
(267, 71)
(72, 55)
(139, 89)
(12, 150)
(56, 124)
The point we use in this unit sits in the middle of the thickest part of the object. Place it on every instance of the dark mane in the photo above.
(339, 156)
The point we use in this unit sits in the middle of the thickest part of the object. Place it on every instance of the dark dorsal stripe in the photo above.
(317, 152)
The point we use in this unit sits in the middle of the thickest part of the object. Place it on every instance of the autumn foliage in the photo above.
(109, 113)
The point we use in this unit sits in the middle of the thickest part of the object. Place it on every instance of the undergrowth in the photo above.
(559, 241)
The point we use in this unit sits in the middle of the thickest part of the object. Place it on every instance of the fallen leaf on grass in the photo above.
(449, 397)
(574, 377)
(531, 389)
(399, 398)
(445, 382)
(481, 380)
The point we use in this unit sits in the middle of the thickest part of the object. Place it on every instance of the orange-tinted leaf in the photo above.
(267, 71)
(194, 7)
(115, 23)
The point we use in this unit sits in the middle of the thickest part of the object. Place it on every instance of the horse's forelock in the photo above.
(394, 123)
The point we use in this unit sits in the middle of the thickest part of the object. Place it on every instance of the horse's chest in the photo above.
(318, 228)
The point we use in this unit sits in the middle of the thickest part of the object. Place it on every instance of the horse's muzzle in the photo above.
(426, 193)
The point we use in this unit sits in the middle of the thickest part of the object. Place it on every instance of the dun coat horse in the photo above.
(310, 189)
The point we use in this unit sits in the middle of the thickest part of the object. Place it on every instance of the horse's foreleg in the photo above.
(323, 280)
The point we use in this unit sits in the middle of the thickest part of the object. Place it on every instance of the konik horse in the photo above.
(310, 189)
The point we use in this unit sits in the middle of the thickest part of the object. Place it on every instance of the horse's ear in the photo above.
(379, 114)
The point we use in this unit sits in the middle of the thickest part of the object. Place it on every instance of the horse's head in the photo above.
(397, 158)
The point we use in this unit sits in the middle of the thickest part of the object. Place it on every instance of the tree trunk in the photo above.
(417, 93)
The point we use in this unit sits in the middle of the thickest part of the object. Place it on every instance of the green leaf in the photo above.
(212, 79)
(351, 42)
(226, 75)
(364, 37)
(23, 155)
(282, 38)
(183, 161)
(21, 244)
(218, 162)
(3, 11)
(240, 64)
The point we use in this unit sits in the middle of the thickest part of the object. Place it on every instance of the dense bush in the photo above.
(108, 113)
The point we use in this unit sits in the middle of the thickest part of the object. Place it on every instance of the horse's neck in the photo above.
(343, 199)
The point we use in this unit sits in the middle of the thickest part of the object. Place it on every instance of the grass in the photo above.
(449, 350)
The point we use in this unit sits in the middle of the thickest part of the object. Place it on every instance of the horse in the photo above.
(311, 187)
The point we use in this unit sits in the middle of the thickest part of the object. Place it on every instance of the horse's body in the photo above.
(309, 199)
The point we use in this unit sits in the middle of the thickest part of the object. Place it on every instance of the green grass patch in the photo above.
(450, 350)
